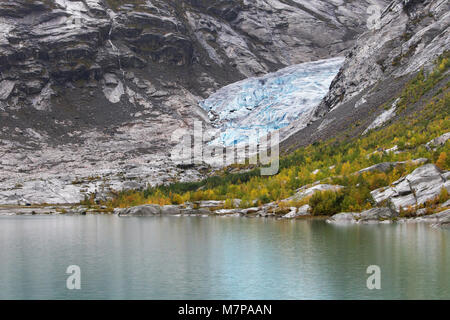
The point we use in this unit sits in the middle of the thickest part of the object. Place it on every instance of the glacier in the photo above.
(271, 102)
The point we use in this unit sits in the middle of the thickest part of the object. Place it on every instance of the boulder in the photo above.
(224, 212)
(344, 218)
(170, 210)
(376, 215)
(304, 210)
(297, 212)
(141, 211)
(291, 214)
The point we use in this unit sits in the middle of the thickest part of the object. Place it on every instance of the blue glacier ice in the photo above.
(270, 102)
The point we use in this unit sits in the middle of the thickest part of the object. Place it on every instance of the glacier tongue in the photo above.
(270, 102)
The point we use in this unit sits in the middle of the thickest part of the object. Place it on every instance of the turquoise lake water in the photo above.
(218, 258)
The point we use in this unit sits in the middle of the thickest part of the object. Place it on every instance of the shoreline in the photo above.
(440, 219)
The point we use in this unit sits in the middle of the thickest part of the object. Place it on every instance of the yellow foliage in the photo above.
(346, 169)
(442, 161)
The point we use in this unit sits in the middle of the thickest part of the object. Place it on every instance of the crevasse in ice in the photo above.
(270, 102)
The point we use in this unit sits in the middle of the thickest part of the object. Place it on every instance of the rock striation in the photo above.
(372, 216)
(422, 185)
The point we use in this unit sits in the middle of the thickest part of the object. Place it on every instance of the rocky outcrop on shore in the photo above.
(386, 215)
(414, 190)
(215, 208)
(443, 219)
(381, 215)
(411, 193)
(375, 215)
(422, 185)
(52, 210)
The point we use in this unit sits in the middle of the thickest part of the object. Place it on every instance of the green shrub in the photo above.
(326, 203)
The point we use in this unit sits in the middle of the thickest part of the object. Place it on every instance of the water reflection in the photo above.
(219, 258)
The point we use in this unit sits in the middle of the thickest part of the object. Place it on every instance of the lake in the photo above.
(219, 258)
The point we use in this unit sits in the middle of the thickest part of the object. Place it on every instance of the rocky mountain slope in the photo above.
(91, 90)
(411, 34)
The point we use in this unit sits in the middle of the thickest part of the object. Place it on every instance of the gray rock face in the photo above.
(227, 212)
(6, 87)
(170, 210)
(443, 220)
(156, 210)
(446, 204)
(310, 190)
(383, 167)
(377, 215)
(344, 218)
(195, 212)
(423, 184)
(387, 166)
(439, 141)
(298, 212)
(438, 219)
(95, 88)
(250, 211)
(372, 216)
(427, 182)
